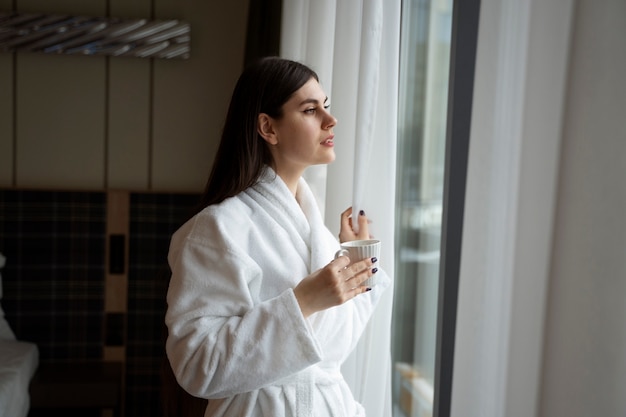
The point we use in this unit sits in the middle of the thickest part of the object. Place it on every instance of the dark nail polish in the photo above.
(374, 260)
(368, 289)
(362, 213)
(374, 270)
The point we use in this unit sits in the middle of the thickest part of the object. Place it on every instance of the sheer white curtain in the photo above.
(518, 103)
(353, 45)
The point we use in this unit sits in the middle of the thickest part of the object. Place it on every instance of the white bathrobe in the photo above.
(236, 333)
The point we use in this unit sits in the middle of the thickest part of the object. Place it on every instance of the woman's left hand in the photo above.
(347, 232)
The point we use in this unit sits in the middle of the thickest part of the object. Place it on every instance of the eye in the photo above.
(311, 110)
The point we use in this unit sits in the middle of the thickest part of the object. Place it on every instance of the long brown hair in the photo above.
(262, 88)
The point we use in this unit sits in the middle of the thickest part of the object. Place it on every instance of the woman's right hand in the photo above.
(333, 285)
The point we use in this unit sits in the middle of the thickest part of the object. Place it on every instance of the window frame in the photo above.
(465, 20)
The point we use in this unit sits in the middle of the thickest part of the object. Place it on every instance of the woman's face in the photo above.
(303, 136)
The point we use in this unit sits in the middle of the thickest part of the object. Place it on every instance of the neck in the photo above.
(290, 179)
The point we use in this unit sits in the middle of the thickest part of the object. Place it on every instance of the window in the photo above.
(424, 77)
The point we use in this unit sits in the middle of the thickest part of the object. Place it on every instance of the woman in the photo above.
(260, 316)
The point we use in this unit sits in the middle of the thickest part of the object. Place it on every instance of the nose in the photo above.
(329, 120)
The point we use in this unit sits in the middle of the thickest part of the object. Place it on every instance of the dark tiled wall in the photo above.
(153, 219)
(53, 280)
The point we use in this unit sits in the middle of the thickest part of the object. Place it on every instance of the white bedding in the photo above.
(18, 362)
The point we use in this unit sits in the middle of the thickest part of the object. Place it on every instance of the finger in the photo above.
(358, 268)
(364, 264)
(358, 290)
(346, 218)
(356, 280)
(363, 225)
(360, 279)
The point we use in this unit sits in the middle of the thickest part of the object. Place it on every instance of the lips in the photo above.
(329, 141)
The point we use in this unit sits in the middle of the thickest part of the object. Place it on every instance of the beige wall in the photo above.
(74, 122)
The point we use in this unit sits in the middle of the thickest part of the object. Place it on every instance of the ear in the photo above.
(265, 128)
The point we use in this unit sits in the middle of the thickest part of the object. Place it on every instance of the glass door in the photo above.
(424, 77)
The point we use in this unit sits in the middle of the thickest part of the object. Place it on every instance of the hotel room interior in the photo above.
(516, 293)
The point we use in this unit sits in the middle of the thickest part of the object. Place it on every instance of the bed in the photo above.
(18, 363)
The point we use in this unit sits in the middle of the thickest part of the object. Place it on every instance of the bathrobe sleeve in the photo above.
(222, 342)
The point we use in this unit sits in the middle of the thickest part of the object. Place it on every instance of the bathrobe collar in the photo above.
(300, 212)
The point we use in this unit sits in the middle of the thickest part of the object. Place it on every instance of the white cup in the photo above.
(358, 250)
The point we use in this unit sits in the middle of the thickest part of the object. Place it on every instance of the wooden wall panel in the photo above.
(135, 9)
(116, 286)
(191, 97)
(6, 120)
(60, 110)
(6, 111)
(74, 7)
(128, 140)
(120, 123)
(128, 123)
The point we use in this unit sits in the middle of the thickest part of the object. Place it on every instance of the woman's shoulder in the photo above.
(231, 215)
(232, 208)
